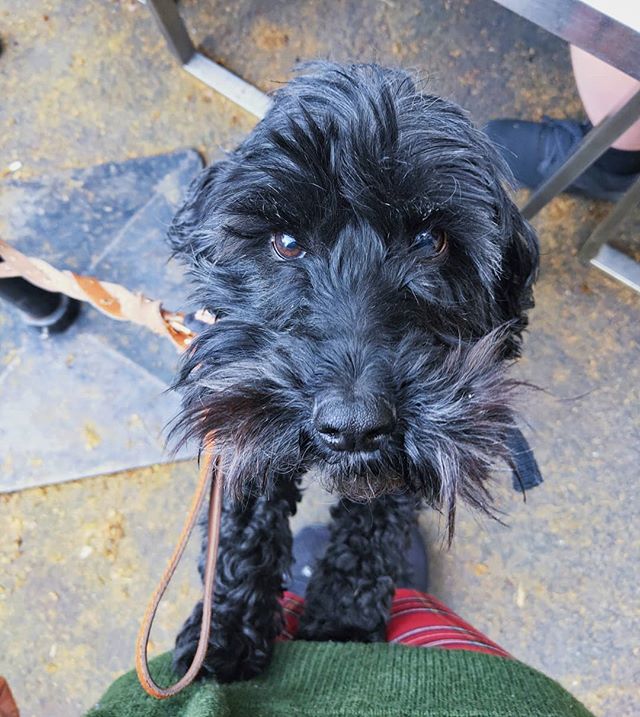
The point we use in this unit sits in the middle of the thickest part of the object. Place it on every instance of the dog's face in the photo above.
(370, 276)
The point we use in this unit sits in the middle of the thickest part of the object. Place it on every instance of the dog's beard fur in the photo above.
(452, 431)
(353, 163)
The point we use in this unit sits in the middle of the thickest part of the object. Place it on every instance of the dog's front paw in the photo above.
(230, 656)
(347, 615)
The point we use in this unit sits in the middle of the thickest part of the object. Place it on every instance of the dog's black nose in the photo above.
(353, 425)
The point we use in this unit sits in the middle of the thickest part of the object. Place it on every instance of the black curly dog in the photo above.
(371, 276)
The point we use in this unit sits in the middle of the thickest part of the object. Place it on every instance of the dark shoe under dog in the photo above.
(309, 545)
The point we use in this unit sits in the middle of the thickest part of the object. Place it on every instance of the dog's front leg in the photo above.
(254, 553)
(350, 591)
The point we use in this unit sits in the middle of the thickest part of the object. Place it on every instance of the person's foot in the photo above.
(311, 541)
(417, 562)
(535, 150)
(309, 545)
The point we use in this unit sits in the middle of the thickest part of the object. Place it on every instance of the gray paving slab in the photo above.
(93, 399)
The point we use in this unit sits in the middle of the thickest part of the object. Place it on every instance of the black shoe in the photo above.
(418, 563)
(310, 543)
(535, 150)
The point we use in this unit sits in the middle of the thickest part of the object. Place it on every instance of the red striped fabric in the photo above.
(416, 619)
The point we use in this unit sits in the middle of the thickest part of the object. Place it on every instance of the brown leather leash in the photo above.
(121, 304)
(210, 477)
(114, 300)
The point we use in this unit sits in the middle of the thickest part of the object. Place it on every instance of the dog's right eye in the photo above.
(286, 247)
(432, 241)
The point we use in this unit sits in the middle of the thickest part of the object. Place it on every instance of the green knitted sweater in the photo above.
(345, 680)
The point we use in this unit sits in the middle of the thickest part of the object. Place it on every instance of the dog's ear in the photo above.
(196, 213)
(519, 270)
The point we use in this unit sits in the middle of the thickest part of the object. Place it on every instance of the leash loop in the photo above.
(210, 477)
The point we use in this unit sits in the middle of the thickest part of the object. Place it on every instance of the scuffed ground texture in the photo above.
(83, 83)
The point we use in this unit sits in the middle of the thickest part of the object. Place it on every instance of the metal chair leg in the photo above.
(618, 266)
(598, 253)
(605, 229)
(173, 29)
(247, 96)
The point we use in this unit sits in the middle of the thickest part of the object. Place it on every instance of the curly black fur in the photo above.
(368, 174)
(350, 595)
(254, 555)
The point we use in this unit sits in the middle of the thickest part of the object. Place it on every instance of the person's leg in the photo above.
(603, 90)
(421, 620)
(535, 150)
(292, 608)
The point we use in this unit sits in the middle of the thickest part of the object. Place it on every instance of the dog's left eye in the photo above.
(286, 247)
(434, 241)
